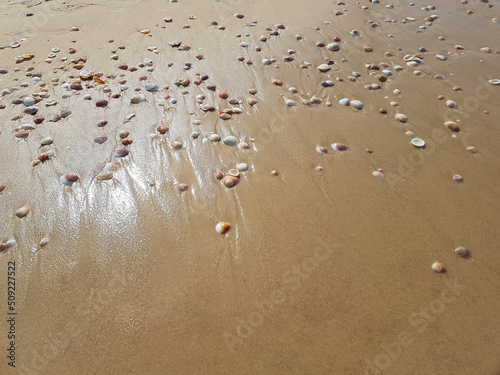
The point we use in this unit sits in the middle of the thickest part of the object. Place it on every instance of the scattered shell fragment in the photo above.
(462, 252)
(222, 227)
(22, 212)
(438, 267)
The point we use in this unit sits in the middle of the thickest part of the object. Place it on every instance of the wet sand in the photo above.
(322, 272)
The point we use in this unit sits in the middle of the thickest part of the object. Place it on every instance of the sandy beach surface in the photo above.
(327, 265)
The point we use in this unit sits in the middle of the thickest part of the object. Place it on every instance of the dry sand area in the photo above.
(249, 187)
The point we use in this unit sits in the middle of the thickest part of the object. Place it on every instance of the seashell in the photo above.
(378, 174)
(417, 142)
(22, 212)
(230, 140)
(495, 82)
(144, 31)
(438, 267)
(195, 135)
(43, 157)
(50, 103)
(339, 147)
(65, 112)
(243, 146)
(105, 175)
(102, 123)
(233, 172)
(31, 110)
(401, 117)
(357, 104)
(27, 126)
(121, 152)
(472, 149)
(101, 103)
(168, 19)
(3, 247)
(136, 99)
(452, 126)
(162, 129)
(252, 101)
(333, 47)
(451, 104)
(10, 243)
(76, 86)
(242, 166)
(289, 102)
(322, 150)
(230, 181)
(222, 227)
(316, 100)
(367, 49)
(2, 187)
(277, 82)
(382, 111)
(224, 116)
(21, 134)
(458, 178)
(344, 101)
(151, 87)
(223, 95)
(126, 141)
(181, 187)
(462, 252)
(214, 137)
(324, 68)
(69, 179)
(29, 101)
(101, 139)
(46, 141)
(176, 145)
(44, 242)
(219, 175)
(85, 74)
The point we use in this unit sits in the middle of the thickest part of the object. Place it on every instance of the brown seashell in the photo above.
(181, 187)
(70, 177)
(224, 116)
(453, 127)
(230, 181)
(199, 57)
(43, 157)
(382, 111)
(126, 141)
(76, 86)
(2, 187)
(3, 247)
(222, 227)
(219, 175)
(105, 175)
(38, 119)
(176, 145)
(102, 123)
(162, 129)
(252, 101)
(274, 172)
(197, 81)
(21, 134)
(367, 49)
(22, 212)
(277, 82)
(121, 152)
(211, 87)
(98, 80)
(101, 103)
(223, 95)
(100, 139)
(123, 66)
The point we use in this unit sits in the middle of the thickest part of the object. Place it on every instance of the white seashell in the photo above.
(222, 227)
(214, 137)
(322, 150)
(44, 242)
(241, 166)
(324, 68)
(10, 243)
(495, 82)
(417, 142)
(378, 174)
(357, 104)
(344, 101)
(230, 140)
(401, 117)
(451, 104)
(293, 90)
(289, 102)
(27, 126)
